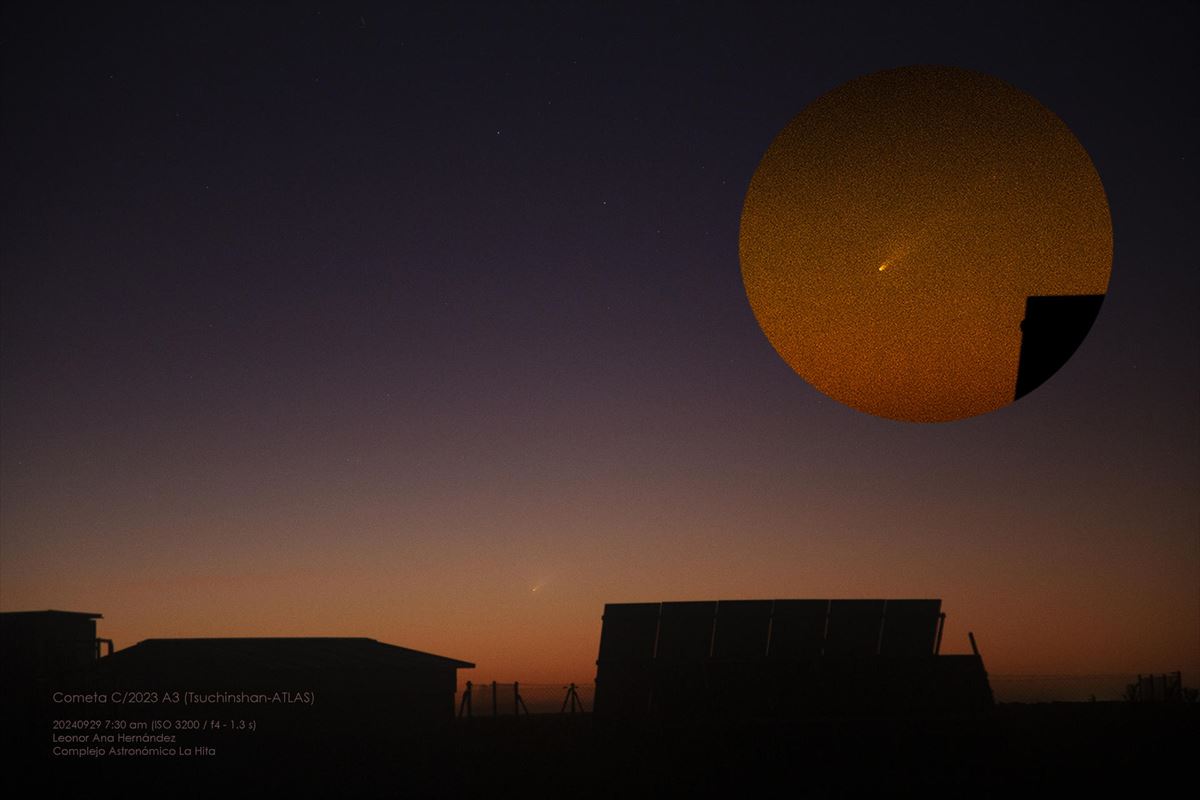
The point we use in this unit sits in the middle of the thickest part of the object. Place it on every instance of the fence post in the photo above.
(518, 702)
(466, 701)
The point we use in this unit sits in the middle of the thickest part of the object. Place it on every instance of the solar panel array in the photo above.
(732, 658)
(746, 629)
(629, 632)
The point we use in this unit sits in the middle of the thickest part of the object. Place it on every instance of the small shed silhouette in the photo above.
(39, 649)
(41, 652)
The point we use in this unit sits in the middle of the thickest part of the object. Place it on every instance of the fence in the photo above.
(501, 699)
(1069, 688)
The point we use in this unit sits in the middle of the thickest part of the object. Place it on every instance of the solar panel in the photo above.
(742, 628)
(910, 627)
(685, 631)
(624, 688)
(681, 688)
(628, 631)
(797, 628)
(685, 659)
(854, 627)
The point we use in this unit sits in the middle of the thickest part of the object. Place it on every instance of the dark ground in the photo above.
(1060, 749)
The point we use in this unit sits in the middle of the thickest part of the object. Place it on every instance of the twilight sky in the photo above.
(364, 320)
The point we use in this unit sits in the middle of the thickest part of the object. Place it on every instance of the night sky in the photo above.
(427, 324)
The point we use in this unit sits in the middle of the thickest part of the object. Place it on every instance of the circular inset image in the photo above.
(926, 243)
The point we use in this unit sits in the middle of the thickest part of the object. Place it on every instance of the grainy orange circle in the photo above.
(894, 229)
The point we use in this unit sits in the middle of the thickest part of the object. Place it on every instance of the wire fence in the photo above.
(505, 699)
(1059, 688)
(501, 699)
(1099, 687)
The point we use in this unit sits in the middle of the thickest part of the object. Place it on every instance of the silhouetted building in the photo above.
(41, 652)
(1053, 328)
(40, 648)
(322, 684)
(781, 658)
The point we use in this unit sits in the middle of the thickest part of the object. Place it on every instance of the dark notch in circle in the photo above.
(1053, 328)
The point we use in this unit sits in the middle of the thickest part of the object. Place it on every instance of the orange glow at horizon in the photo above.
(485, 615)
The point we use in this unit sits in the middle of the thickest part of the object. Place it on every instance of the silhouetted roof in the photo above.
(287, 652)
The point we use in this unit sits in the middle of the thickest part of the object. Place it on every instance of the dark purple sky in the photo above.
(370, 320)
